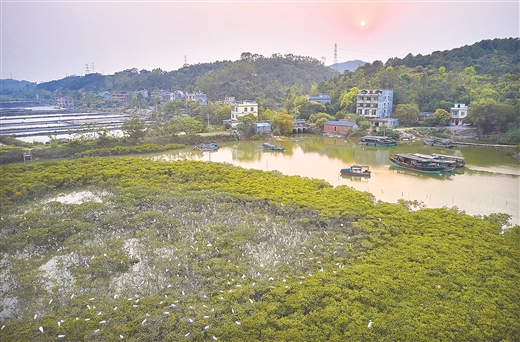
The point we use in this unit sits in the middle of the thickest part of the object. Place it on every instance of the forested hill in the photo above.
(497, 56)
(250, 77)
(489, 69)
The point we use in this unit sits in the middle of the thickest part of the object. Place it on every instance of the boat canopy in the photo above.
(447, 156)
(414, 157)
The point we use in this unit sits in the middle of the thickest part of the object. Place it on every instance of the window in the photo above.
(252, 109)
(245, 109)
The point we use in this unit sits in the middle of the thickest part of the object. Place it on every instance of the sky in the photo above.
(44, 40)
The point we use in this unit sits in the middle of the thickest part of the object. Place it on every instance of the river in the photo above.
(490, 182)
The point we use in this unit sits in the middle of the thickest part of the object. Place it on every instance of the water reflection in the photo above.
(418, 174)
(488, 184)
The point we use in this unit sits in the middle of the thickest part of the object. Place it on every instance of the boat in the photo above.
(356, 170)
(270, 147)
(206, 146)
(369, 140)
(448, 165)
(416, 163)
(459, 161)
(439, 142)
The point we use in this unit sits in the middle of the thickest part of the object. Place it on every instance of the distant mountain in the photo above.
(8, 85)
(350, 65)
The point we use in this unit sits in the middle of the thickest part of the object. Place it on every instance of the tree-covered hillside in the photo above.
(488, 69)
(250, 77)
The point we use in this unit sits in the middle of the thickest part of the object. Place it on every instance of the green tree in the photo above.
(320, 118)
(192, 125)
(441, 117)
(267, 114)
(408, 114)
(223, 112)
(490, 116)
(134, 128)
(246, 125)
(283, 123)
(348, 100)
(173, 107)
(309, 108)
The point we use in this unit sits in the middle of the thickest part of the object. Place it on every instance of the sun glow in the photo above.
(363, 23)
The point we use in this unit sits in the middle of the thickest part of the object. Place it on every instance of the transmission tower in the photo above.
(185, 61)
(335, 53)
(86, 69)
(93, 70)
(323, 58)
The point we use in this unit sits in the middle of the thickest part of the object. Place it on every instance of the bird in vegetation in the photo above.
(41, 329)
(369, 324)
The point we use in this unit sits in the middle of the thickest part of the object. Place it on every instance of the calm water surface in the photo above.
(489, 183)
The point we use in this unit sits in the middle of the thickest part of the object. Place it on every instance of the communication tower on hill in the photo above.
(335, 53)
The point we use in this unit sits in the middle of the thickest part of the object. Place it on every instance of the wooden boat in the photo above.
(369, 140)
(416, 163)
(206, 146)
(447, 143)
(271, 147)
(459, 161)
(356, 170)
(448, 165)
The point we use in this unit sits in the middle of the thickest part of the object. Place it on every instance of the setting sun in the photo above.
(363, 23)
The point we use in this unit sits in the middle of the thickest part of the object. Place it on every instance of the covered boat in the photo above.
(448, 165)
(416, 163)
(356, 170)
(459, 161)
(369, 140)
(270, 147)
(439, 142)
(206, 146)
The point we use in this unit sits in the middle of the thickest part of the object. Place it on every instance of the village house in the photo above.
(322, 98)
(458, 113)
(341, 126)
(243, 108)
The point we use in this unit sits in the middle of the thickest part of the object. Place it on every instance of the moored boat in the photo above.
(439, 142)
(356, 170)
(459, 161)
(448, 165)
(271, 147)
(416, 163)
(369, 140)
(206, 146)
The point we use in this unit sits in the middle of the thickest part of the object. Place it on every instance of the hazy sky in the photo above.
(48, 40)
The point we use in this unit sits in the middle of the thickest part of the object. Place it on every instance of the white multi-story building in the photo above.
(458, 112)
(375, 103)
(246, 107)
(65, 102)
(199, 97)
